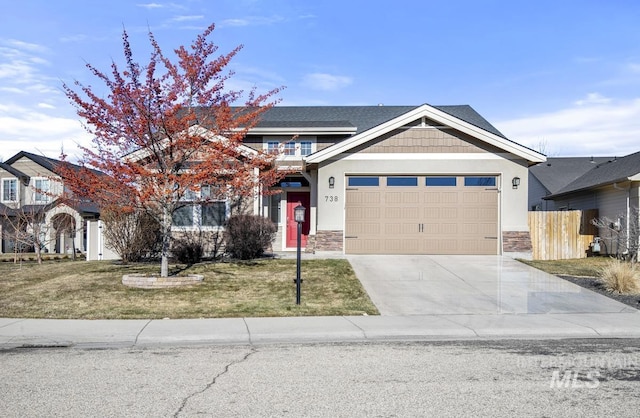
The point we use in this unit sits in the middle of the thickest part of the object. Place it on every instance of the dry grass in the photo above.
(617, 276)
(579, 267)
(93, 290)
(621, 277)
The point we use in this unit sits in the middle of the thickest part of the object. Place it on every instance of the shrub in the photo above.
(248, 236)
(620, 276)
(187, 251)
(133, 235)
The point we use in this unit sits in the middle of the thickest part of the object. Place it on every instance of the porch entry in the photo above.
(294, 199)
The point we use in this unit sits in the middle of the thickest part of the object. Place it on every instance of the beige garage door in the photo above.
(421, 215)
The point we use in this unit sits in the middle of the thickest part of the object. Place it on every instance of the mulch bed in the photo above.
(596, 285)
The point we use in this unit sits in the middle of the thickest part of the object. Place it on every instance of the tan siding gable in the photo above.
(30, 168)
(426, 139)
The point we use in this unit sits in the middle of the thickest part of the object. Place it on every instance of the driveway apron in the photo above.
(462, 284)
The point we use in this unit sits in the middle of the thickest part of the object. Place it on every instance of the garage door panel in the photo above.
(412, 213)
(448, 213)
(355, 197)
(363, 229)
(408, 219)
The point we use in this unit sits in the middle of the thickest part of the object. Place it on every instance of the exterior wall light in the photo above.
(332, 182)
(515, 182)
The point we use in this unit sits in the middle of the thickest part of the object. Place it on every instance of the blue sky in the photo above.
(559, 75)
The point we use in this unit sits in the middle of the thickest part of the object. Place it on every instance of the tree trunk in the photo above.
(166, 243)
(38, 252)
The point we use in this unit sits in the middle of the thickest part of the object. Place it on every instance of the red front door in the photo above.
(294, 199)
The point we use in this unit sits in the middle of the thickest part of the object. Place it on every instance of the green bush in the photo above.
(248, 236)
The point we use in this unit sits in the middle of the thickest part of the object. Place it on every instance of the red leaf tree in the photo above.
(167, 129)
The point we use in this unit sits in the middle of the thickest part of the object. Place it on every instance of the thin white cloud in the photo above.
(593, 99)
(251, 21)
(326, 82)
(151, 5)
(160, 6)
(599, 126)
(24, 129)
(74, 38)
(633, 67)
(187, 18)
(21, 45)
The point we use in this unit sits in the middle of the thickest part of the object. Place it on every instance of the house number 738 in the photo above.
(331, 198)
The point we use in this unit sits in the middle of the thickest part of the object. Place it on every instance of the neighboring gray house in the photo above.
(548, 178)
(612, 187)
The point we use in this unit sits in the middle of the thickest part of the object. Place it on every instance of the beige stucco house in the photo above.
(29, 189)
(396, 180)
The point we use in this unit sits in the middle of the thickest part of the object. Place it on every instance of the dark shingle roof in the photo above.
(557, 173)
(611, 171)
(361, 117)
(45, 162)
(19, 174)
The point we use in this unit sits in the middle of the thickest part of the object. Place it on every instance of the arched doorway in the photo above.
(64, 228)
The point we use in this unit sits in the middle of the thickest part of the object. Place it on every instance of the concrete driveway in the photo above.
(448, 284)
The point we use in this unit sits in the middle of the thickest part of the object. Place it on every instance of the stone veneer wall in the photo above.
(516, 241)
(328, 241)
(152, 282)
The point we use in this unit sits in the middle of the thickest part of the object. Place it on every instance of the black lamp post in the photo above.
(298, 215)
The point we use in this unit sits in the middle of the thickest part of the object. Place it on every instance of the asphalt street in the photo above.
(543, 378)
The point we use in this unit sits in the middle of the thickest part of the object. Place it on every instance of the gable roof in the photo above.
(362, 118)
(462, 118)
(611, 171)
(557, 173)
(44, 162)
(17, 173)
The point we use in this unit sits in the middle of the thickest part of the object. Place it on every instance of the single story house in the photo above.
(548, 178)
(613, 188)
(396, 180)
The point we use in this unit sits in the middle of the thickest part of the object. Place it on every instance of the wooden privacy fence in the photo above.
(561, 235)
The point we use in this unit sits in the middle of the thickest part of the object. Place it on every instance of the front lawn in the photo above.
(93, 290)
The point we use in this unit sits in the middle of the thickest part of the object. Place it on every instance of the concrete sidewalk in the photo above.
(132, 333)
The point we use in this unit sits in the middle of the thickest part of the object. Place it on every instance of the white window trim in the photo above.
(17, 197)
(46, 198)
(283, 140)
(196, 205)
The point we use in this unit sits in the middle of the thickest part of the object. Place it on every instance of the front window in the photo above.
(9, 190)
(194, 214)
(285, 147)
(214, 213)
(42, 190)
(305, 148)
(183, 216)
(290, 148)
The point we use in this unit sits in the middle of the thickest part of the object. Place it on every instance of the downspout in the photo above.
(628, 216)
